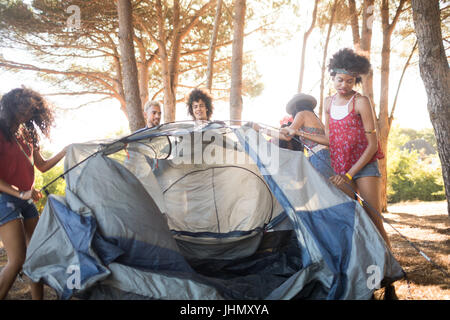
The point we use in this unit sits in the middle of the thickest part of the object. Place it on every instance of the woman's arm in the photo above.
(294, 130)
(271, 133)
(44, 165)
(24, 195)
(7, 188)
(321, 139)
(287, 133)
(363, 107)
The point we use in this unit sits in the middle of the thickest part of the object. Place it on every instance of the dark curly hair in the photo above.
(350, 61)
(293, 144)
(200, 94)
(25, 101)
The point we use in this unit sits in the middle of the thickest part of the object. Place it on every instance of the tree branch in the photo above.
(407, 63)
(23, 66)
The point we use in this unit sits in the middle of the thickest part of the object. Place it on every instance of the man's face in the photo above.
(199, 110)
(153, 116)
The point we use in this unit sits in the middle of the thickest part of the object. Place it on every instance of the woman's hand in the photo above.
(36, 195)
(288, 131)
(31, 194)
(256, 126)
(26, 195)
(339, 180)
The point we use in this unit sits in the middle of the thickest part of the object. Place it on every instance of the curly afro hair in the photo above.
(200, 94)
(349, 60)
(21, 101)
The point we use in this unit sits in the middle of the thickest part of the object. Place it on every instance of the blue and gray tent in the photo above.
(146, 217)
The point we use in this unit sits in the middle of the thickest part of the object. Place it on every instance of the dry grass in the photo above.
(426, 224)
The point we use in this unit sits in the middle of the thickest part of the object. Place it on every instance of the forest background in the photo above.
(70, 51)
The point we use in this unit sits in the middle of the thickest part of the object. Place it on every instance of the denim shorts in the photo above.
(12, 208)
(369, 170)
(321, 161)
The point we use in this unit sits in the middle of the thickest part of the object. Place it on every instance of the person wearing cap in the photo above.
(152, 113)
(301, 107)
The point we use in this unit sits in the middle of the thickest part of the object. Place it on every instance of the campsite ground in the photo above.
(426, 224)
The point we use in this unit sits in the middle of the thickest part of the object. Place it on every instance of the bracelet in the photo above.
(21, 194)
(349, 176)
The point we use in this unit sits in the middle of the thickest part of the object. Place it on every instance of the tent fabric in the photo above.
(128, 228)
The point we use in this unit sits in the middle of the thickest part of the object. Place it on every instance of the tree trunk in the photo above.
(363, 43)
(366, 45)
(394, 104)
(143, 74)
(130, 74)
(237, 60)
(383, 117)
(305, 40)
(170, 57)
(354, 23)
(324, 59)
(383, 121)
(174, 62)
(143, 81)
(435, 73)
(212, 47)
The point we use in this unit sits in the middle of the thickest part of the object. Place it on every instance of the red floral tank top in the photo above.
(348, 141)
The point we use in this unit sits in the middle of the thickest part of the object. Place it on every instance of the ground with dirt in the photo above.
(426, 224)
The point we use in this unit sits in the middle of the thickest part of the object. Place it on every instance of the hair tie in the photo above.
(344, 71)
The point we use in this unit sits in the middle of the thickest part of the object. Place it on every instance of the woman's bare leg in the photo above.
(13, 238)
(369, 188)
(37, 289)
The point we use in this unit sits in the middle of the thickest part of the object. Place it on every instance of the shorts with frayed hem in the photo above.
(12, 208)
(369, 170)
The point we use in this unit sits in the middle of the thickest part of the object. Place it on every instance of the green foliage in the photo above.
(425, 134)
(410, 175)
(42, 179)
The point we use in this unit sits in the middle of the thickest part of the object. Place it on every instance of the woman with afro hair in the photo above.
(350, 133)
(22, 112)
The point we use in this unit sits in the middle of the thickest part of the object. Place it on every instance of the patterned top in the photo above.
(348, 141)
(318, 131)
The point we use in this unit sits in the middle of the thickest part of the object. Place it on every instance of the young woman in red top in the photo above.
(22, 111)
(351, 134)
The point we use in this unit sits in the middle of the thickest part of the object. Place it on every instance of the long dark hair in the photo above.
(293, 144)
(20, 101)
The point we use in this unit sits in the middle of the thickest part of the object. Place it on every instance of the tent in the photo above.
(203, 211)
